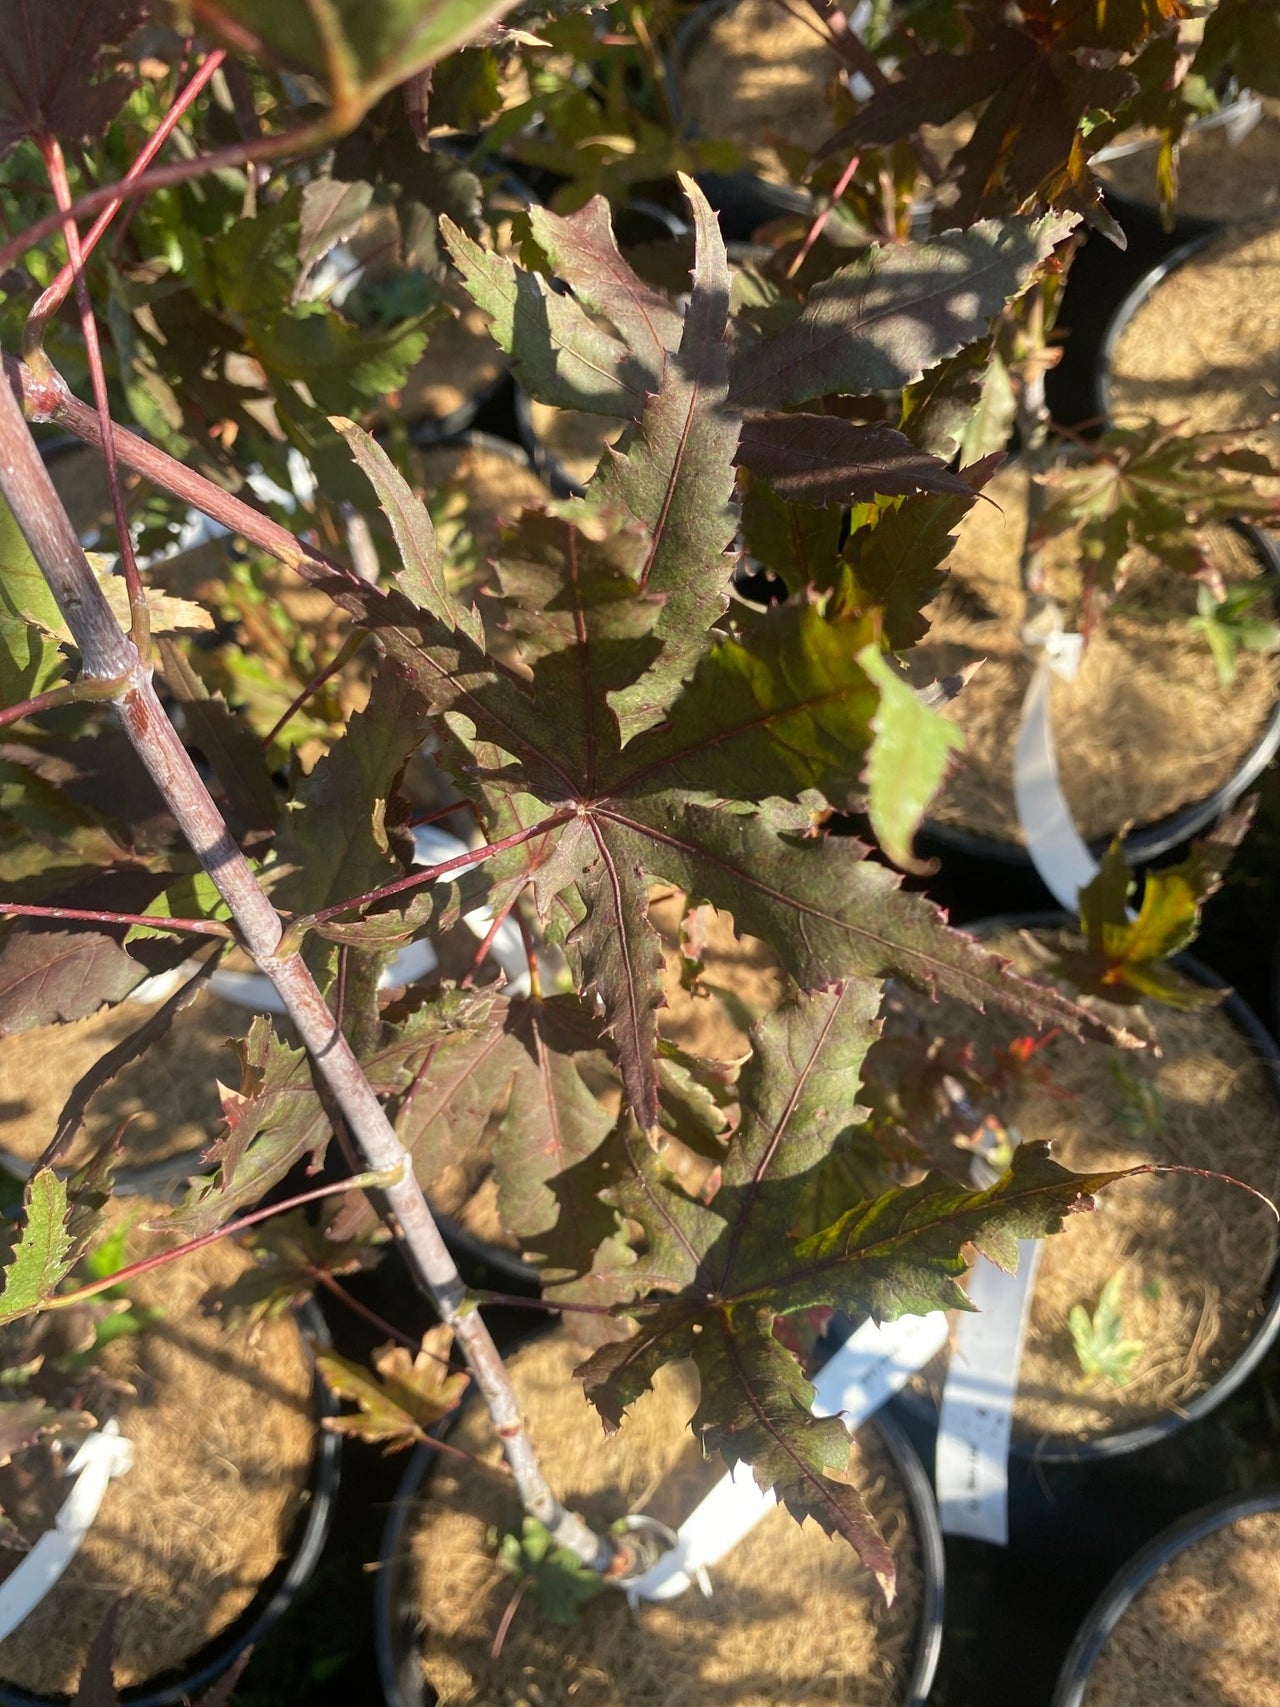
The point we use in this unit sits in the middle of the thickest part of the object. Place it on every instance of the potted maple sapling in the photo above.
(1111, 594)
(1152, 1319)
(614, 724)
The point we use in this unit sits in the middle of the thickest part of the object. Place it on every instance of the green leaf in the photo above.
(584, 253)
(192, 897)
(560, 355)
(406, 1396)
(44, 1252)
(878, 324)
(676, 480)
(1124, 959)
(820, 459)
(1100, 1345)
(30, 621)
(1231, 624)
(273, 1120)
(1156, 488)
(561, 1583)
(897, 562)
(330, 212)
(359, 48)
(315, 346)
(56, 976)
(59, 76)
(291, 1254)
(735, 1263)
(335, 835)
(907, 762)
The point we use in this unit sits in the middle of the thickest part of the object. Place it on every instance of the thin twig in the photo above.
(140, 622)
(55, 293)
(100, 916)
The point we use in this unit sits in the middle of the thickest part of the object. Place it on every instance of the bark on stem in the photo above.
(110, 656)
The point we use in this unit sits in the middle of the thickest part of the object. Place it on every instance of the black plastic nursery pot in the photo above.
(1187, 1648)
(275, 1595)
(1034, 1493)
(398, 1626)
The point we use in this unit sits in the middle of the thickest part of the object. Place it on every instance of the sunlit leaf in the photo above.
(406, 1396)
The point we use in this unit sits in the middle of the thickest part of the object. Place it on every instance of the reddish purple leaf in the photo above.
(820, 459)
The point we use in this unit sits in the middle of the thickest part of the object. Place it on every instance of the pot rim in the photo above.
(396, 1626)
(1061, 1449)
(1134, 1576)
(278, 1592)
(1149, 841)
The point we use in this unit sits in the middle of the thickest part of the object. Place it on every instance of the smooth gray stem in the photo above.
(109, 655)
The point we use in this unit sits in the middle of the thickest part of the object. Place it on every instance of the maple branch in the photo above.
(46, 398)
(89, 915)
(430, 873)
(65, 694)
(111, 657)
(162, 1259)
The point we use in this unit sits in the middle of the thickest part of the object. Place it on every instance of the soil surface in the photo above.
(169, 1097)
(1204, 348)
(1218, 177)
(1194, 1256)
(222, 1428)
(794, 1616)
(576, 441)
(1203, 1631)
(1143, 678)
(759, 76)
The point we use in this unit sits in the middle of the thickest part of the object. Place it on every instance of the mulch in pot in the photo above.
(1144, 678)
(223, 1429)
(568, 444)
(1200, 1631)
(1194, 1257)
(1202, 346)
(478, 485)
(758, 74)
(168, 1097)
(794, 1616)
(1218, 178)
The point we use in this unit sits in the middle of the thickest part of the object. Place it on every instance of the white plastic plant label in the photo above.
(1056, 847)
(866, 1371)
(103, 1454)
(971, 1471)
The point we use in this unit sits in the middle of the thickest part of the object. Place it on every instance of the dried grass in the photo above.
(759, 73)
(169, 1096)
(1145, 728)
(1217, 178)
(460, 363)
(1203, 1631)
(794, 1617)
(494, 488)
(1204, 348)
(222, 1430)
(1194, 1255)
(575, 440)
